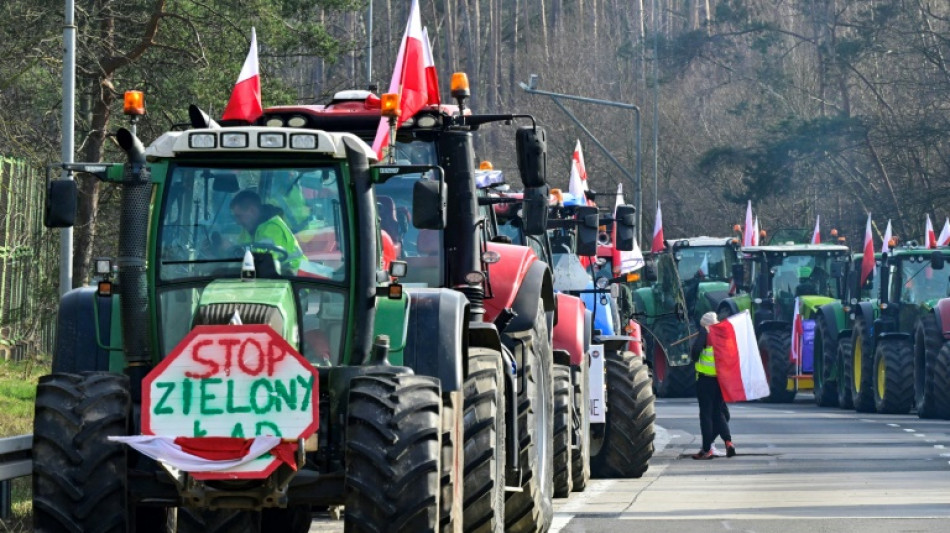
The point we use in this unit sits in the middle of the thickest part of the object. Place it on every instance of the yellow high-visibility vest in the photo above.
(706, 365)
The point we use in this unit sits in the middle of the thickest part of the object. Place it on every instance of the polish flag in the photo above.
(886, 247)
(210, 454)
(798, 331)
(748, 235)
(816, 235)
(245, 103)
(755, 232)
(929, 236)
(867, 260)
(658, 244)
(578, 183)
(409, 78)
(944, 238)
(629, 261)
(738, 363)
(432, 77)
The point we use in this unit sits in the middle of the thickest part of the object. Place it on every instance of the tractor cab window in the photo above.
(802, 275)
(421, 249)
(704, 262)
(920, 283)
(291, 218)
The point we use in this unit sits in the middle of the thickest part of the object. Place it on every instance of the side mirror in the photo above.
(531, 145)
(937, 261)
(649, 272)
(588, 224)
(625, 222)
(738, 274)
(61, 196)
(428, 204)
(534, 211)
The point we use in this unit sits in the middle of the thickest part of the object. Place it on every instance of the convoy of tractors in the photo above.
(409, 342)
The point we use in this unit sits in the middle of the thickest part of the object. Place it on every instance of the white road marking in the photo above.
(919, 435)
(661, 439)
(938, 446)
(894, 425)
(910, 430)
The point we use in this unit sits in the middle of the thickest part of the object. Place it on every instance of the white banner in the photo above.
(595, 383)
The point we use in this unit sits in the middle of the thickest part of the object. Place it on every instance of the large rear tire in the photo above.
(563, 418)
(580, 460)
(928, 340)
(775, 348)
(532, 509)
(826, 364)
(631, 412)
(79, 476)
(197, 520)
(393, 451)
(893, 376)
(941, 398)
(484, 507)
(844, 375)
(672, 381)
(862, 365)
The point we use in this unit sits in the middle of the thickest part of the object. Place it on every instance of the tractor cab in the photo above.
(913, 280)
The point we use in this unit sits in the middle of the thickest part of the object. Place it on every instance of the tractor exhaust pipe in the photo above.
(133, 240)
(366, 253)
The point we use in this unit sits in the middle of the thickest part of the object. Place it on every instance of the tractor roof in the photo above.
(702, 241)
(244, 139)
(918, 250)
(797, 248)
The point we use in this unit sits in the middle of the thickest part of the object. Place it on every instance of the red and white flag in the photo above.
(577, 185)
(658, 245)
(748, 235)
(210, 454)
(755, 232)
(867, 260)
(245, 102)
(409, 78)
(816, 235)
(738, 363)
(798, 331)
(929, 236)
(629, 261)
(432, 76)
(944, 238)
(886, 247)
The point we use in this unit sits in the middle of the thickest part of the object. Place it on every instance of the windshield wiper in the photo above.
(202, 261)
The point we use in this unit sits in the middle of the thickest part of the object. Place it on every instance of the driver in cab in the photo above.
(262, 224)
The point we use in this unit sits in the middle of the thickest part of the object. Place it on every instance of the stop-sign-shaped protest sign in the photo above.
(232, 381)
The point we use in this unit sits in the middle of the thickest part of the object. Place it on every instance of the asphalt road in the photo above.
(799, 468)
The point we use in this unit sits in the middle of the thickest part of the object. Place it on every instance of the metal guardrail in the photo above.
(16, 460)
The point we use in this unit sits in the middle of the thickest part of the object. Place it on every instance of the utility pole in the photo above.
(69, 100)
(531, 88)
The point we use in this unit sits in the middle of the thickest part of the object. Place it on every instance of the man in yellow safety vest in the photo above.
(713, 414)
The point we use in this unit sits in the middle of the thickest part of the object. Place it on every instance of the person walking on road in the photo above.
(713, 413)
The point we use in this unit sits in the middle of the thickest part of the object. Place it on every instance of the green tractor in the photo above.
(896, 339)
(776, 276)
(834, 323)
(239, 231)
(692, 278)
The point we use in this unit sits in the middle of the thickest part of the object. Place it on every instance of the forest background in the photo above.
(804, 107)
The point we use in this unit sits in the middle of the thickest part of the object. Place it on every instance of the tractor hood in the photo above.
(259, 301)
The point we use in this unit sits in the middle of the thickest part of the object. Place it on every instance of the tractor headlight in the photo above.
(202, 140)
(303, 141)
(234, 140)
(271, 140)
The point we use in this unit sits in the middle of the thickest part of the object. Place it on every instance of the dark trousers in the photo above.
(713, 413)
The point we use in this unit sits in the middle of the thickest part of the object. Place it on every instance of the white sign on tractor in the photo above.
(239, 381)
(598, 410)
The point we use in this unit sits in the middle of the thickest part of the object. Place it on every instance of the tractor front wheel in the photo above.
(775, 350)
(484, 507)
(941, 370)
(672, 381)
(826, 359)
(862, 363)
(393, 451)
(927, 342)
(580, 449)
(79, 476)
(893, 377)
(844, 375)
(563, 418)
(631, 412)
